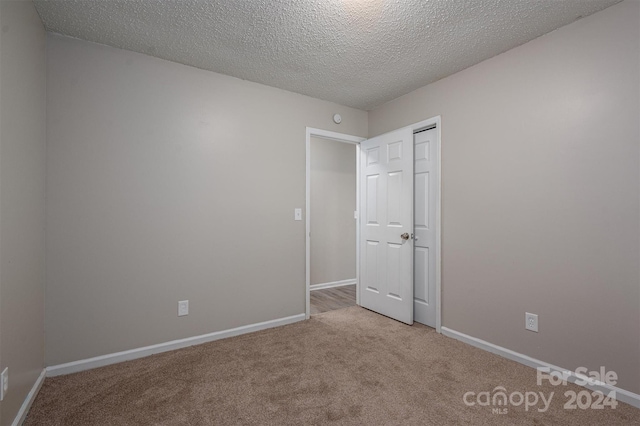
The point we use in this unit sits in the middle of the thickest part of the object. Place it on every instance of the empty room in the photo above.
(284, 212)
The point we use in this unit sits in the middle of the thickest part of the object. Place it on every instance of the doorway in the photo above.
(333, 225)
(421, 288)
(332, 231)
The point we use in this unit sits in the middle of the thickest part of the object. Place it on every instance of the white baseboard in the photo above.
(621, 394)
(332, 284)
(31, 396)
(114, 358)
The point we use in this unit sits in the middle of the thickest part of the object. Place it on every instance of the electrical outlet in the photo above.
(531, 321)
(183, 308)
(4, 383)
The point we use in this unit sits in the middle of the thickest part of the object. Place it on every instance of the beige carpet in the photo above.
(349, 366)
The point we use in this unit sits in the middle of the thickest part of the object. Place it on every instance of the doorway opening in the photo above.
(332, 231)
(398, 227)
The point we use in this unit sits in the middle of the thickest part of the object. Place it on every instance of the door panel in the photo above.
(426, 187)
(370, 275)
(421, 276)
(387, 259)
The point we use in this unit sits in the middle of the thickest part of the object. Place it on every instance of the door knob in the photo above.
(405, 236)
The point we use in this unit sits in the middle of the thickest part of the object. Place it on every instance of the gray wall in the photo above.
(166, 183)
(22, 191)
(333, 201)
(540, 166)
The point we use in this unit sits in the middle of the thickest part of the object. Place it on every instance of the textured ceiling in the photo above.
(359, 53)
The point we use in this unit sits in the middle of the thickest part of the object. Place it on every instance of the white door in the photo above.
(424, 217)
(386, 225)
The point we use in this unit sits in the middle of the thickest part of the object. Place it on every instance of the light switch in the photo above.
(297, 213)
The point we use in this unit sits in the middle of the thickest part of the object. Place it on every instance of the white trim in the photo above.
(339, 137)
(31, 396)
(621, 394)
(101, 361)
(439, 230)
(333, 284)
(358, 224)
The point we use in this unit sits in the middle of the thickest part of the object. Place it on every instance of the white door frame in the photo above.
(339, 137)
